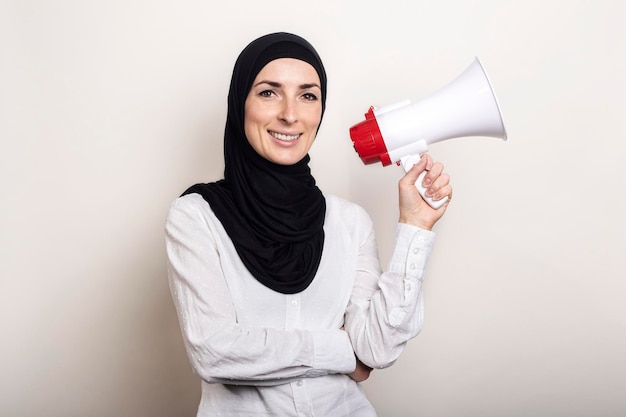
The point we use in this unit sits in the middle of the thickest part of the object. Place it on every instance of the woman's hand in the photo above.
(361, 373)
(413, 209)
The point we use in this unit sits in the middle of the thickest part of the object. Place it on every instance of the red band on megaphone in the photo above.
(368, 141)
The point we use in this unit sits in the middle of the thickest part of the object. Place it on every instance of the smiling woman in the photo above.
(283, 110)
(280, 296)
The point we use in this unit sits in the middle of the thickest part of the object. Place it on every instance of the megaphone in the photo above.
(400, 133)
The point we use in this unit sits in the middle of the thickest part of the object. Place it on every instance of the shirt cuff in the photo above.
(333, 353)
(412, 248)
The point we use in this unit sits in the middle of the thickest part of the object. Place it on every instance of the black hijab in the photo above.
(273, 213)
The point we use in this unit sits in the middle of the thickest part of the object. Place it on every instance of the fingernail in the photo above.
(427, 182)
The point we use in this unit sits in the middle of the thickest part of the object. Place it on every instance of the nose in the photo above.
(288, 112)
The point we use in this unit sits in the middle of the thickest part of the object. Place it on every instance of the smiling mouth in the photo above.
(284, 137)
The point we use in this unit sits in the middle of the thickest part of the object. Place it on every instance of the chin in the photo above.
(289, 159)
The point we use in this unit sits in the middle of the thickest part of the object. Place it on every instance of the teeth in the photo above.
(284, 137)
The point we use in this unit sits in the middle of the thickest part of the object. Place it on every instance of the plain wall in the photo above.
(110, 109)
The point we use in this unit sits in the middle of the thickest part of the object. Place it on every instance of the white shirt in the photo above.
(264, 353)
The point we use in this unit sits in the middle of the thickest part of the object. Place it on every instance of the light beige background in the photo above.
(110, 109)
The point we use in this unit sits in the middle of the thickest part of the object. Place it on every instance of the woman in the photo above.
(280, 296)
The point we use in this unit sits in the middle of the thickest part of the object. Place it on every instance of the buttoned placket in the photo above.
(302, 401)
(292, 311)
(301, 398)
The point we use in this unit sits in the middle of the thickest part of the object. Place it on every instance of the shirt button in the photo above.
(412, 266)
(299, 383)
(415, 251)
(294, 303)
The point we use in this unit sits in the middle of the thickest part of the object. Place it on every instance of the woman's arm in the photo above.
(386, 309)
(219, 349)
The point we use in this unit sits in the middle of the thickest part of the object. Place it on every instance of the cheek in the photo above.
(251, 130)
(313, 118)
(252, 122)
(256, 116)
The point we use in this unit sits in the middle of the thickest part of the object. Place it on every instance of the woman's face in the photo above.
(283, 110)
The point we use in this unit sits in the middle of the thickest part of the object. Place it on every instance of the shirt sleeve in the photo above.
(386, 309)
(219, 349)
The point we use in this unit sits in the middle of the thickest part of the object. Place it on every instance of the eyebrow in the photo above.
(278, 85)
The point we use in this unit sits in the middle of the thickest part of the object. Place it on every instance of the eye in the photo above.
(266, 93)
(309, 96)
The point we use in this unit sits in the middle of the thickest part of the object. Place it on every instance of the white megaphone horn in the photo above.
(400, 133)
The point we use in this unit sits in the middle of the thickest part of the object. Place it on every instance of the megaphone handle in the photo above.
(407, 163)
